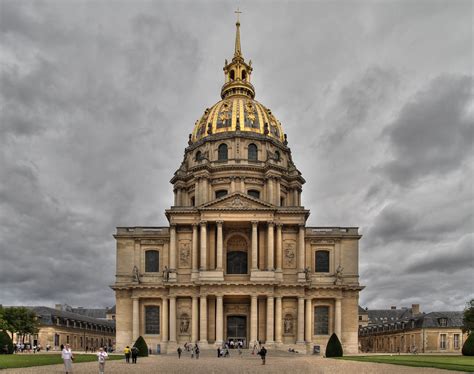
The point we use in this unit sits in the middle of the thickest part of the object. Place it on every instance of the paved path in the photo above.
(208, 364)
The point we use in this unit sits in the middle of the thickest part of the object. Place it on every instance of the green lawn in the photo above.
(459, 363)
(26, 360)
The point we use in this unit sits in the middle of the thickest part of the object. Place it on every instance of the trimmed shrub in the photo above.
(468, 347)
(142, 347)
(334, 347)
(6, 344)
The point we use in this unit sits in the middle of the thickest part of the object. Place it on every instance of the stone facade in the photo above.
(408, 330)
(237, 261)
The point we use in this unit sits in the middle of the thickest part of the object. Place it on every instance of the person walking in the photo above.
(179, 350)
(68, 357)
(101, 357)
(127, 352)
(196, 351)
(135, 352)
(263, 354)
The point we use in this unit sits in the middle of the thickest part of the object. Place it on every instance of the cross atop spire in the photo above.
(238, 51)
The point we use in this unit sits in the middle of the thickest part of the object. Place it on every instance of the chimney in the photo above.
(393, 307)
(415, 309)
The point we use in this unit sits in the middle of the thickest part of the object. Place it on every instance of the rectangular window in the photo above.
(321, 320)
(56, 340)
(442, 341)
(456, 341)
(321, 262)
(152, 261)
(152, 320)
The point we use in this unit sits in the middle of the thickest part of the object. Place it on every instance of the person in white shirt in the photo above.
(67, 357)
(101, 356)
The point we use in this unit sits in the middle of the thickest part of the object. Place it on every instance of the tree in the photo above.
(334, 347)
(142, 347)
(6, 345)
(468, 318)
(468, 347)
(19, 320)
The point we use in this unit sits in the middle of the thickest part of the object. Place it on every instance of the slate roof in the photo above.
(377, 316)
(111, 310)
(93, 313)
(47, 314)
(362, 311)
(454, 319)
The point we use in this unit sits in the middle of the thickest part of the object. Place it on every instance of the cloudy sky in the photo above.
(97, 100)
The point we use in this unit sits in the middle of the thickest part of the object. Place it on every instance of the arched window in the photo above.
(220, 193)
(253, 152)
(322, 262)
(222, 153)
(277, 156)
(193, 201)
(232, 75)
(254, 193)
(198, 156)
(244, 75)
(236, 262)
(152, 261)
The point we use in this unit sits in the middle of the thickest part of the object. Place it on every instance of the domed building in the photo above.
(237, 262)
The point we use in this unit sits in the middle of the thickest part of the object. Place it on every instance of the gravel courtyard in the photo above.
(277, 362)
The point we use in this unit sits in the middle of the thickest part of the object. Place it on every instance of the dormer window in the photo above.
(443, 322)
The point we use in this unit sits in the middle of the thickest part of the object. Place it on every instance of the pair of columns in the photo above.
(270, 246)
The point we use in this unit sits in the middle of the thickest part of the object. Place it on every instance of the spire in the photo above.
(238, 51)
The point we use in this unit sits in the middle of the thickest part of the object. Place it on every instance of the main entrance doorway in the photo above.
(237, 330)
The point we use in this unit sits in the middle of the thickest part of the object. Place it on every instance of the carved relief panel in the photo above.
(183, 324)
(184, 246)
(289, 254)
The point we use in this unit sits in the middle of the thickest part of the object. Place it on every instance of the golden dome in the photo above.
(237, 111)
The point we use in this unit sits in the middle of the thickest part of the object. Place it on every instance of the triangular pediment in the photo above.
(237, 201)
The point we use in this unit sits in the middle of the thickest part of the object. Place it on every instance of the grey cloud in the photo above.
(433, 134)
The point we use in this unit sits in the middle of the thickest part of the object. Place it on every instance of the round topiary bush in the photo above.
(6, 344)
(142, 347)
(334, 347)
(468, 347)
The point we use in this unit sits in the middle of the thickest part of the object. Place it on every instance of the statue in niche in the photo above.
(136, 274)
(339, 271)
(288, 324)
(306, 273)
(184, 324)
(166, 274)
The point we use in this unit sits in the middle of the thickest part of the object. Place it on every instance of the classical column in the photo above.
(197, 200)
(204, 191)
(254, 245)
(172, 318)
(194, 320)
(278, 192)
(203, 245)
(164, 313)
(270, 252)
(295, 197)
(219, 319)
(337, 318)
(194, 257)
(179, 197)
(270, 190)
(300, 334)
(172, 251)
(301, 249)
(253, 319)
(135, 318)
(232, 184)
(278, 320)
(242, 184)
(175, 192)
(220, 246)
(270, 319)
(203, 322)
(308, 335)
(279, 250)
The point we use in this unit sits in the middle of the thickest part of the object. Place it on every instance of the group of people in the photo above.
(131, 352)
(68, 358)
(28, 348)
(190, 348)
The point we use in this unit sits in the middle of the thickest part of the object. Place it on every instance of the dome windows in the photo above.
(244, 75)
(277, 156)
(232, 75)
(254, 193)
(222, 152)
(252, 152)
(221, 193)
(198, 156)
